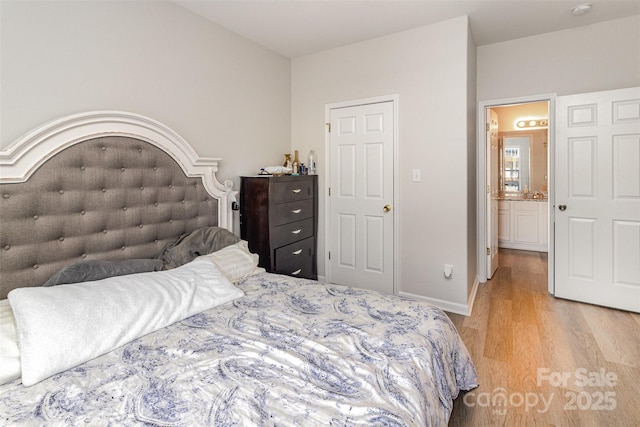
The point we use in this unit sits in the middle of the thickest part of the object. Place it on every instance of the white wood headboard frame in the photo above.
(23, 157)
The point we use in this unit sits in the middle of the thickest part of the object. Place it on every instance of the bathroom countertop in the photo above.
(521, 198)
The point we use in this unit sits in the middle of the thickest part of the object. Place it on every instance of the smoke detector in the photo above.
(581, 9)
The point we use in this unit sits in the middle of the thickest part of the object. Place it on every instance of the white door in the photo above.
(597, 211)
(361, 196)
(493, 188)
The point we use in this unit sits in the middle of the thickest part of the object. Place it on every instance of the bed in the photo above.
(168, 320)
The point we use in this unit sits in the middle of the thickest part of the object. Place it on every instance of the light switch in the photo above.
(417, 175)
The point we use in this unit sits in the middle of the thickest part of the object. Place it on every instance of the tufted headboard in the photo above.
(100, 185)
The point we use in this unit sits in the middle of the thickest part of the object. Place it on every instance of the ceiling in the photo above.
(295, 28)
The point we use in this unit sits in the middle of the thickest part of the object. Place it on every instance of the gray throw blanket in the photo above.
(85, 271)
(200, 242)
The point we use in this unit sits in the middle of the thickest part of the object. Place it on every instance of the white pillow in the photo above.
(9, 350)
(63, 326)
(235, 261)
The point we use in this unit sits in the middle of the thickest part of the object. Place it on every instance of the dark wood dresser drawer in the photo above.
(296, 259)
(279, 219)
(290, 191)
(292, 232)
(292, 211)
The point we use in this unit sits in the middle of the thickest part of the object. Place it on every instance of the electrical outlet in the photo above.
(448, 271)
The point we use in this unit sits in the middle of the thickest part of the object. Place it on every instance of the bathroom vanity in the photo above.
(523, 224)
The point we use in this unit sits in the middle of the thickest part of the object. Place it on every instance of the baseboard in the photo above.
(452, 307)
(472, 296)
(524, 246)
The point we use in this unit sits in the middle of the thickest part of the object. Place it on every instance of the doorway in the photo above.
(515, 183)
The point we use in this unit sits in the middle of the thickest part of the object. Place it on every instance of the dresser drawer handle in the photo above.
(297, 211)
(295, 273)
(298, 252)
(297, 190)
(296, 231)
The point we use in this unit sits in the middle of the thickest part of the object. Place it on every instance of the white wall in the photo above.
(428, 68)
(225, 95)
(585, 59)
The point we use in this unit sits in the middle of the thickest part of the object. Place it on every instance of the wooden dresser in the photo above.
(279, 219)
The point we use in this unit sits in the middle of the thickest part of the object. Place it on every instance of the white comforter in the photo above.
(290, 352)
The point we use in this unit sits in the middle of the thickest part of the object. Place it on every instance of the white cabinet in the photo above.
(543, 220)
(523, 225)
(504, 222)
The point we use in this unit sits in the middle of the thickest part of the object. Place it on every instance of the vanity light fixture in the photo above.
(529, 123)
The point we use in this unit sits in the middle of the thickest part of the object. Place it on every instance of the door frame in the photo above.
(482, 179)
(327, 173)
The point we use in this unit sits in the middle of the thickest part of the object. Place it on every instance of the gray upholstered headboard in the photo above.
(103, 185)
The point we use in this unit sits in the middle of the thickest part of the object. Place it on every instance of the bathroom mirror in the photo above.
(523, 163)
(515, 157)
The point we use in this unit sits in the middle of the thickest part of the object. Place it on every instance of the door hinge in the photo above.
(487, 127)
(488, 251)
(328, 126)
(329, 191)
(329, 254)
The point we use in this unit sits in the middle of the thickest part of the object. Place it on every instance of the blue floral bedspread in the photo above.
(291, 352)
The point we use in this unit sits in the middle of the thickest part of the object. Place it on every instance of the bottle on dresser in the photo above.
(296, 163)
(311, 164)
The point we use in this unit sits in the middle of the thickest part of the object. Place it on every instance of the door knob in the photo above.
(386, 208)
(562, 207)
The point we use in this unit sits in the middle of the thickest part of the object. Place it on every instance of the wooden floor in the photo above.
(544, 361)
